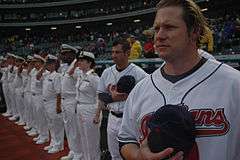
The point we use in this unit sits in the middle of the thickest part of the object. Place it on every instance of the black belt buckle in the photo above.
(44, 100)
(34, 94)
(118, 115)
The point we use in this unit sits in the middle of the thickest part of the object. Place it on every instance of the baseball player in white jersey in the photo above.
(110, 77)
(207, 87)
(69, 103)
(86, 87)
(52, 103)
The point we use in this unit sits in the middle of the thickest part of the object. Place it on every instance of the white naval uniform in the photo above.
(86, 89)
(51, 88)
(24, 85)
(37, 104)
(28, 102)
(69, 105)
(35, 91)
(12, 95)
(111, 76)
(5, 88)
(212, 95)
(19, 97)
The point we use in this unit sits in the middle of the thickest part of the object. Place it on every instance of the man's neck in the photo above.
(121, 67)
(179, 67)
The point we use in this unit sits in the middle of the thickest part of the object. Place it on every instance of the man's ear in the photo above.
(128, 53)
(195, 34)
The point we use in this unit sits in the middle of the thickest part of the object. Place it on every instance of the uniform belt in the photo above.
(118, 115)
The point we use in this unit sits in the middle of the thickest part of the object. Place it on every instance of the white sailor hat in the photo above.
(86, 54)
(67, 48)
(29, 57)
(79, 48)
(50, 56)
(10, 55)
(39, 57)
(51, 59)
(19, 58)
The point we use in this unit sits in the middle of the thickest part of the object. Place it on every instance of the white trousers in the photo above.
(90, 132)
(41, 116)
(34, 113)
(19, 103)
(55, 124)
(71, 126)
(12, 96)
(7, 97)
(28, 112)
(113, 127)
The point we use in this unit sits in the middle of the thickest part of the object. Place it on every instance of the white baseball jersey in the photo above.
(212, 95)
(111, 76)
(206, 54)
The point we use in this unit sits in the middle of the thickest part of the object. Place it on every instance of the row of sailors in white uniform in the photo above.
(35, 100)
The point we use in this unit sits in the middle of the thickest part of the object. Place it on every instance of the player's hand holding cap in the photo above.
(171, 126)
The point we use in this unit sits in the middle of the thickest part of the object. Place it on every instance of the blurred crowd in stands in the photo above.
(225, 39)
(25, 1)
(84, 10)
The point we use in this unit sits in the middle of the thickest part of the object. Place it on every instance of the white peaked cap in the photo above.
(11, 55)
(50, 56)
(39, 57)
(18, 57)
(66, 47)
(86, 54)
(29, 57)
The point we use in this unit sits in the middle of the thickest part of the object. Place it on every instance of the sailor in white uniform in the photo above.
(69, 103)
(52, 103)
(86, 87)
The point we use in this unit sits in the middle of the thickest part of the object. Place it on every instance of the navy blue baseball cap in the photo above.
(171, 126)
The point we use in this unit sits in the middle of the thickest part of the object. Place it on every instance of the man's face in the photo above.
(50, 66)
(118, 55)
(18, 63)
(38, 64)
(10, 60)
(171, 36)
(67, 57)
